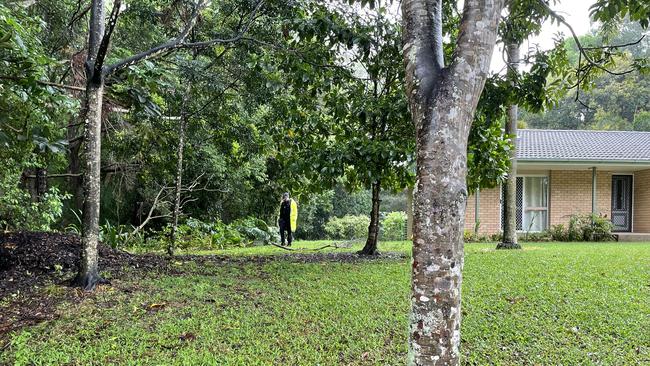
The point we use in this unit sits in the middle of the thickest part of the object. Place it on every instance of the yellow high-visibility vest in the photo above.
(294, 215)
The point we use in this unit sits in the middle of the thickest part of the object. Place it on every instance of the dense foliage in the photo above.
(319, 111)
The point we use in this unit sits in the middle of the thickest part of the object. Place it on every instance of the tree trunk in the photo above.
(442, 104)
(88, 276)
(41, 183)
(510, 195)
(179, 173)
(409, 213)
(373, 229)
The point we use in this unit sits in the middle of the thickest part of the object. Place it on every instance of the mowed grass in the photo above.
(550, 304)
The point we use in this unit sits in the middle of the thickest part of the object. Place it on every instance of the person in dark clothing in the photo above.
(285, 219)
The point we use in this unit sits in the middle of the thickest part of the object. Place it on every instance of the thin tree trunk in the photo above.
(510, 195)
(41, 183)
(373, 229)
(88, 276)
(179, 173)
(442, 104)
(409, 213)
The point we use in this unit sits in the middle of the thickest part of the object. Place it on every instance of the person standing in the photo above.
(285, 219)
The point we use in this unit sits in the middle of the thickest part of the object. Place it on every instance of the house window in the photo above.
(535, 204)
(532, 204)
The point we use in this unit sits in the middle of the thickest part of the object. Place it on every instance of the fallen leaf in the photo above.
(157, 306)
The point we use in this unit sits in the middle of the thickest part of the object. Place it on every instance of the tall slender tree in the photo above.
(510, 192)
(99, 38)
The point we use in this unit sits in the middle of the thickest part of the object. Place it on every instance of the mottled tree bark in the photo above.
(442, 103)
(373, 229)
(88, 276)
(179, 173)
(510, 193)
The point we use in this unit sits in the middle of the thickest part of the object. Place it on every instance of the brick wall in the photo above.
(571, 194)
(489, 211)
(642, 202)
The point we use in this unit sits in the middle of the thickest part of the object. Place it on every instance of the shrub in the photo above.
(583, 228)
(393, 226)
(559, 232)
(197, 234)
(347, 227)
(256, 231)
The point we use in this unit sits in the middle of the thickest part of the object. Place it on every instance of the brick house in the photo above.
(560, 173)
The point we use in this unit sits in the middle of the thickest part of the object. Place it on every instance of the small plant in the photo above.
(473, 237)
(496, 236)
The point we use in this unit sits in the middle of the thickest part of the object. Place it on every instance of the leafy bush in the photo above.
(256, 231)
(393, 226)
(583, 228)
(559, 232)
(347, 227)
(197, 234)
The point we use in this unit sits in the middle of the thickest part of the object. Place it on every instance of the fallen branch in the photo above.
(335, 246)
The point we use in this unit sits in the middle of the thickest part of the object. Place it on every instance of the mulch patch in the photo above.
(34, 265)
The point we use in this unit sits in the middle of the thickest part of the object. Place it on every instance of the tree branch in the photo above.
(77, 14)
(423, 50)
(48, 83)
(581, 48)
(106, 39)
(335, 246)
(179, 42)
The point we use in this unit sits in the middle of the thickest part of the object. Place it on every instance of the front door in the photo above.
(622, 202)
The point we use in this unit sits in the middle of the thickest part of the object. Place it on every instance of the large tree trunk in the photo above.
(179, 173)
(373, 229)
(442, 103)
(88, 276)
(510, 195)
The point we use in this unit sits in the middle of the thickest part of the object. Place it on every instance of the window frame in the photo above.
(523, 200)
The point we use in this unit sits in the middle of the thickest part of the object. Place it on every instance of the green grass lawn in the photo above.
(548, 304)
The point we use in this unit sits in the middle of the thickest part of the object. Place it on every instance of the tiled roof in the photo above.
(579, 145)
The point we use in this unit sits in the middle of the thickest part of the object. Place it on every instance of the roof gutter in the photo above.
(585, 162)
